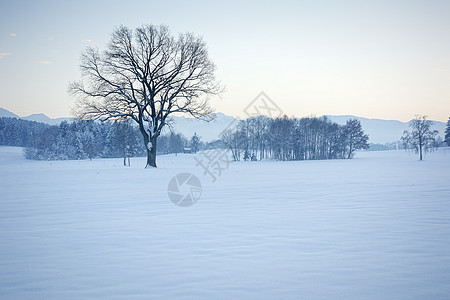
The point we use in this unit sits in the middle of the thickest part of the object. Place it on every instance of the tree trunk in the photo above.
(151, 153)
(126, 161)
(420, 151)
(350, 151)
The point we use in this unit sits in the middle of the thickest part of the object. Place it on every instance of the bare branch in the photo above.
(146, 75)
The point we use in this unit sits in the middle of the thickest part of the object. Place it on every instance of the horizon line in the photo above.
(219, 112)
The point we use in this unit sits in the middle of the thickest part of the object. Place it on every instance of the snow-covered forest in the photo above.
(81, 139)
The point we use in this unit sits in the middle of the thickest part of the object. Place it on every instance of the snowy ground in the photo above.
(376, 227)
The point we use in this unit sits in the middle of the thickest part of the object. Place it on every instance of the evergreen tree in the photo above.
(447, 132)
(176, 143)
(195, 143)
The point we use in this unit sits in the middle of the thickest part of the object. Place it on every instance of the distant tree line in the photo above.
(255, 138)
(178, 143)
(294, 139)
(18, 132)
(386, 146)
(83, 139)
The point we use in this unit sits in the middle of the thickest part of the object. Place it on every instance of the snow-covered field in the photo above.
(375, 227)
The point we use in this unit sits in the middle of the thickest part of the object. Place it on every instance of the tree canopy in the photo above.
(146, 75)
(421, 137)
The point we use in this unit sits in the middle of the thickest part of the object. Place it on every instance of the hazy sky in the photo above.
(375, 59)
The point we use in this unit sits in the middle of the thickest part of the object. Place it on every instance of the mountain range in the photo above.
(34, 117)
(379, 131)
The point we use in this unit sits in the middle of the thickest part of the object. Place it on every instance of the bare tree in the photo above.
(233, 141)
(421, 136)
(146, 75)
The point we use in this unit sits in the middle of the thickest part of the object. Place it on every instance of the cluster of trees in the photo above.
(294, 139)
(18, 132)
(252, 139)
(178, 143)
(86, 139)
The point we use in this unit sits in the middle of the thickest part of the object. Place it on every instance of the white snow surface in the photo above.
(375, 227)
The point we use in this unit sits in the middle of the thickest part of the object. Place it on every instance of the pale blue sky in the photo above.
(376, 59)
